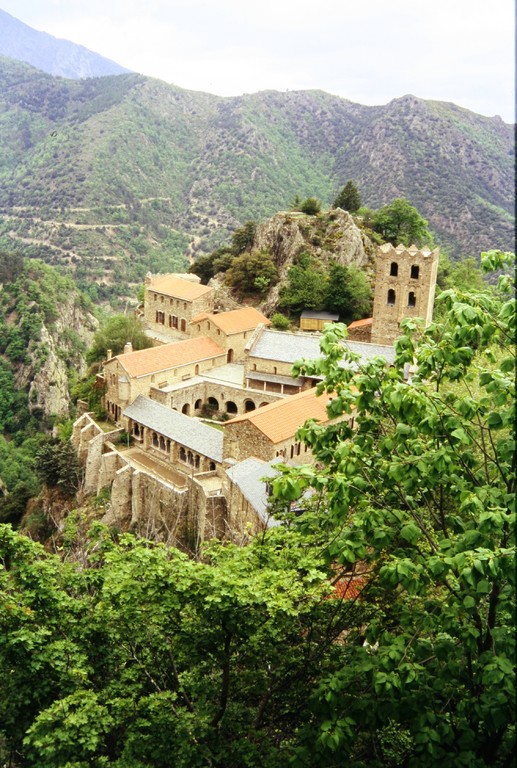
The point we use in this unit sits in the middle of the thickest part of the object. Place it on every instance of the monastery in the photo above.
(201, 418)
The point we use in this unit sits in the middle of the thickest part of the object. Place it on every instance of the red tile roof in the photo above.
(178, 287)
(167, 356)
(279, 421)
(234, 321)
(361, 323)
(349, 587)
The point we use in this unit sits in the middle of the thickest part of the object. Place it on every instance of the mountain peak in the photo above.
(51, 54)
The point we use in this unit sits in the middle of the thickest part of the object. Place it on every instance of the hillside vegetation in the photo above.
(112, 176)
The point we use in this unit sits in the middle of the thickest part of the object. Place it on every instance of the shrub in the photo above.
(280, 321)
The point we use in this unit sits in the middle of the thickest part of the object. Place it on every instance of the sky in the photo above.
(368, 51)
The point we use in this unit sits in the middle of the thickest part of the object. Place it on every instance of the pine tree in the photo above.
(349, 198)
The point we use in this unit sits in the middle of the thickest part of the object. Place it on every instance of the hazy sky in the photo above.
(368, 51)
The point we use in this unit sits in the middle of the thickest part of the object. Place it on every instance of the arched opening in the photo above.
(231, 407)
(211, 466)
(162, 443)
(186, 409)
(183, 326)
(415, 270)
(394, 269)
(197, 461)
(198, 404)
(229, 356)
(263, 404)
(190, 458)
(155, 440)
(213, 404)
(182, 454)
(249, 405)
(411, 299)
(196, 370)
(391, 297)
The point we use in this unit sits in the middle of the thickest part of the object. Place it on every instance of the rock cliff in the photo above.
(332, 235)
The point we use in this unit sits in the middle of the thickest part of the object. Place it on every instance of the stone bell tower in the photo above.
(405, 282)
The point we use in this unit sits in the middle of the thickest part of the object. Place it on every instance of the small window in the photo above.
(391, 297)
(411, 300)
(415, 269)
(394, 269)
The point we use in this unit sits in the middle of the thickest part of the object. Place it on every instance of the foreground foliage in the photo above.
(125, 653)
(422, 493)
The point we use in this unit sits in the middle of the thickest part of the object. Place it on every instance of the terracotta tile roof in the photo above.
(361, 323)
(234, 321)
(168, 356)
(170, 285)
(349, 588)
(279, 421)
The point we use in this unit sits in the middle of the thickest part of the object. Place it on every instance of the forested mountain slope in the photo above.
(116, 175)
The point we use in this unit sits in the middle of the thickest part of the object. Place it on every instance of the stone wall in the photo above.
(405, 283)
(176, 313)
(190, 399)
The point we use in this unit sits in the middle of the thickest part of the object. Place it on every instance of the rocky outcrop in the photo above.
(333, 235)
(60, 348)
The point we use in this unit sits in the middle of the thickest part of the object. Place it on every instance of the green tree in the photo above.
(306, 286)
(114, 333)
(311, 206)
(421, 493)
(348, 198)
(58, 465)
(242, 238)
(208, 266)
(400, 222)
(348, 292)
(247, 268)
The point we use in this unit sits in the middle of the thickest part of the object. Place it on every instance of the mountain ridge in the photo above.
(136, 160)
(53, 55)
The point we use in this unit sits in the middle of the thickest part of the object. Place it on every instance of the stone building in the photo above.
(230, 330)
(315, 320)
(270, 431)
(271, 355)
(184, 443)
(405, 282)
(135, 373)
(171, 301)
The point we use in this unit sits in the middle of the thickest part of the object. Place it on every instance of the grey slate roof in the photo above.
(313, 314)
(247, 476)
(288, 347)
(176, 426)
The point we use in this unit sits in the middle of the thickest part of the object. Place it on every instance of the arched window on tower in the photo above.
(415, 270)
(394, 269)
(391, 297)
(411, 299)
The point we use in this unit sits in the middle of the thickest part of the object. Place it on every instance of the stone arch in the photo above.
(182, 454)
(263, 404)
(155, 440)
(229, 356)
(213, 404)
(249, 406)
(411, 299)
(394, 269)
(415, 271)
(198, 404)
(211, 466)
(186, 409)
(391, 297)
(231, 407)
